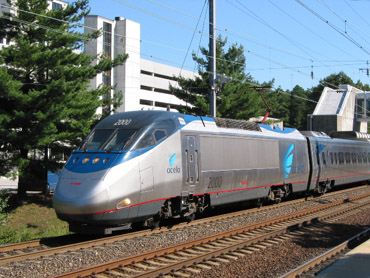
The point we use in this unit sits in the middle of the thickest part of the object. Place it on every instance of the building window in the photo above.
(162, 91)
(146, 102)
(146, 72)
(146, 88)
(107, 39)
(56, 6)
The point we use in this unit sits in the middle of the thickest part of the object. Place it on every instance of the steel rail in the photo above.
(323, 257)
(38, 242)
(221, 236)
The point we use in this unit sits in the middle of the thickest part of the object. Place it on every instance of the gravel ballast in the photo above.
(265, 263)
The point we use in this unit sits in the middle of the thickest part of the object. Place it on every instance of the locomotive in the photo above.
(144, 166)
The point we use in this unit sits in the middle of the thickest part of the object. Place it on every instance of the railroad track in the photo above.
(321, 259)
(183, 260)
(36, 248)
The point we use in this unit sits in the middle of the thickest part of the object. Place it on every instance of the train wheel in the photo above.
(190, 217)
(259, 203)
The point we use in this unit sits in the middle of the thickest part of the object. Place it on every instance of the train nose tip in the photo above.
(80, 196)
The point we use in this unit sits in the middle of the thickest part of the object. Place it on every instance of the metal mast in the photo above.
(212, 58)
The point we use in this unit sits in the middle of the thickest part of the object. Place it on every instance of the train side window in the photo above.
(364, 157)
(359, 156)
(341, 158)
(159, 135)
(354, 158)
(331, 158)
(368, 157)
(348, 158)
(336, 158)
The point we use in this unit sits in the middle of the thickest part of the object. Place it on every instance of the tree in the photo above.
(298, 108)
(234, 100)
(46, 101)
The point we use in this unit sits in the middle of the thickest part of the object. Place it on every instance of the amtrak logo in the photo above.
(172, 159)
(288, 161)
(171, 169)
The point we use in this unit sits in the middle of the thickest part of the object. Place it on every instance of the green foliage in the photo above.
(234, 100)
(44, 96)
(4, 206)
(4, 202)
(31, 221)
(298, 108)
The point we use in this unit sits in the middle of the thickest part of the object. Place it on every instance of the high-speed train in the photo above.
(144, 166)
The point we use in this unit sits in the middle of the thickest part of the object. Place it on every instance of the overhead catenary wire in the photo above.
(333, 26)
(161, 45)
(31, 23)
(345, 21)
(171, 21)
(309, 29)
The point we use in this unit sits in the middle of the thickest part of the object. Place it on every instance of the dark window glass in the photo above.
(359, 156)
(145, 142)
(159, 135)
(96, 139)
(348, 158)
(120, 140)
(56, 6)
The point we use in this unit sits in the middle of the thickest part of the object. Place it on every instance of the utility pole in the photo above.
(366, 69)
(212, 58)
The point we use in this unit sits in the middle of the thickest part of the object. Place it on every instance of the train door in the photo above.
(192, 164)
(315, 164)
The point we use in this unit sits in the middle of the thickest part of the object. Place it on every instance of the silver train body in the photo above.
(141, 167)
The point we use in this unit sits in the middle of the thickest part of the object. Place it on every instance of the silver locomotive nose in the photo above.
(80, 196)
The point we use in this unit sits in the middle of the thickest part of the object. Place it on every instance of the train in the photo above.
(141, 167)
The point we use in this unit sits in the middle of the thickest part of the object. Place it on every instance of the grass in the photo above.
(33, 218)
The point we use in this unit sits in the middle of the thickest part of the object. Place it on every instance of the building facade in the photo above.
(144, 84)
(343, 109)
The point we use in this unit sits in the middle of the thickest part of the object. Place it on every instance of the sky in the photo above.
(294, 42)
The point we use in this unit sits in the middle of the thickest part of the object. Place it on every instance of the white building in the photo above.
(343, 109)
(4, 7)
(144, 83)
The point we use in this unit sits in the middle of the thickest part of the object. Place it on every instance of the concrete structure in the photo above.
(341, 110)
(354, 264)
(144, 83)
(53, 4)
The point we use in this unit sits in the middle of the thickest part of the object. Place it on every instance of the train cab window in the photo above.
(159, 135)
(120, 140)
(145, 142)
(96, 139)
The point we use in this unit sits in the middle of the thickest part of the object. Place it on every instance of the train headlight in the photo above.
(96, 160)
(85, 160)
(126, 202)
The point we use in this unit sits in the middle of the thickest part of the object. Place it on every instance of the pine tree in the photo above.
(47, 102)
(298, 108)
(235, 100)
